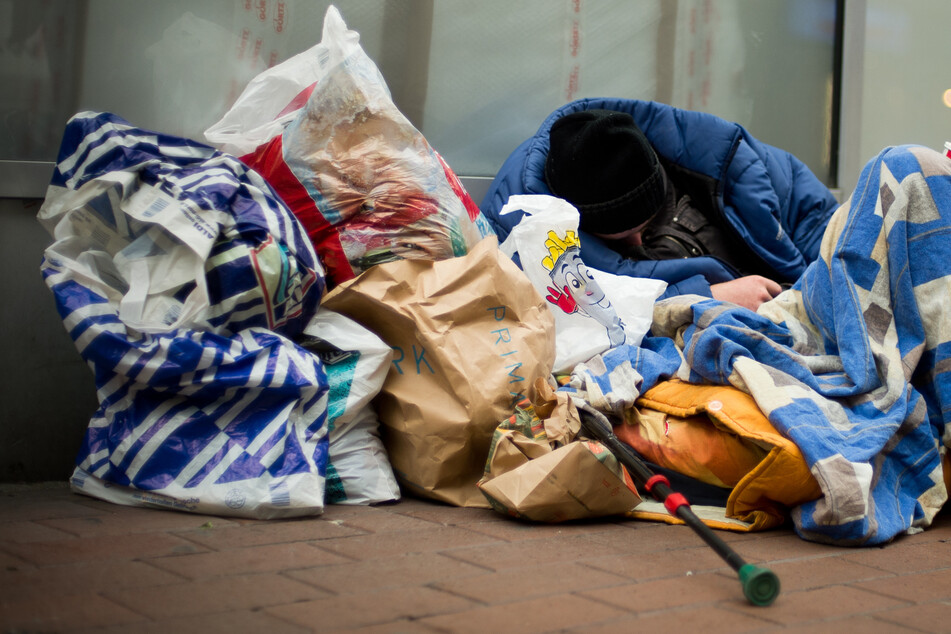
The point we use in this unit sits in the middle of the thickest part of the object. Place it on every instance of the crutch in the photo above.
(760, 585)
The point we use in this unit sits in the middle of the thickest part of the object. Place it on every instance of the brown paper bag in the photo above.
(469, 334)
(538, 470)
(568, 483)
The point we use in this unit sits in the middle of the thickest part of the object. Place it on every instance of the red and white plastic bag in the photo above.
(363, 181)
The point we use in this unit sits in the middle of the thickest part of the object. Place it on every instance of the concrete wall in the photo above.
(46, 392)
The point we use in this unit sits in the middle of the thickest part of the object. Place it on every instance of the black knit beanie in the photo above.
(602, 163)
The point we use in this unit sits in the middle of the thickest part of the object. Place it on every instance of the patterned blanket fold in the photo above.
(853, 363)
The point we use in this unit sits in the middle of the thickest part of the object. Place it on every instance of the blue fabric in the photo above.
(772, 200)
(851, 363)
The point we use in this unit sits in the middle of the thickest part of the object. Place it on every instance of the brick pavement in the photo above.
(69, 563)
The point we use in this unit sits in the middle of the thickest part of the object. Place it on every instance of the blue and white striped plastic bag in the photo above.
(182, 279)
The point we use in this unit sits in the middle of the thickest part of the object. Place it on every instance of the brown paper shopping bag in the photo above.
(470, 335)
(580, 480)
(539, 470)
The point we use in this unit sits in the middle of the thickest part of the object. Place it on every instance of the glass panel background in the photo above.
(476, 77)
(906, 95)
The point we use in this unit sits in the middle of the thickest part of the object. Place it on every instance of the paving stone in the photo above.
(73, 563)
(411, 569)
(393, 605)
(930, 617)
(124, 520)
(662, 594)
(21, 532)
(398, 626)
(781, 546)
(385, 544)
(638, 537)
(222, 594)
(266, 558)
(261, 532)
(821, 604)
(532, 552)
(104, 547)
(12, 562)
(709, 620)
(904, 557)
(45, 612)
(528, 582)
(343, 512)
(658, 565)
(88, 576)
(510, 529)
(25, 509)
(921, 587)
(553, 613)
(379, 520)
(445, 514)
(849, 624)
(233, 622)
(805, 574)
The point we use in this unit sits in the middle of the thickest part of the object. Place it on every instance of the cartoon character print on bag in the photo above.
(575, 289)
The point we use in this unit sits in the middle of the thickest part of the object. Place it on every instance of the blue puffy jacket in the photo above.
(770, 198)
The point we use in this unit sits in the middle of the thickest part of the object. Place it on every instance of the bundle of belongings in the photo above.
(314, 311)
(191, 284)
(827, 403)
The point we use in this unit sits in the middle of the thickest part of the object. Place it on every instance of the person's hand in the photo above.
(749, 291)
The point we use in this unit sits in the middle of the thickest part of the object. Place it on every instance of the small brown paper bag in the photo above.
(565, 484)
(537, 470)
(470, 334)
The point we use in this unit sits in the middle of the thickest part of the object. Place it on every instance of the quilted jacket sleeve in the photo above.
(777, 204)
(690, 276)
(507, 182)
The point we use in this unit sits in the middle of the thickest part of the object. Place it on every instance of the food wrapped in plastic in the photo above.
(360, 177)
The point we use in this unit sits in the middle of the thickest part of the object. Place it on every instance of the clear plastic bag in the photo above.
(274, 97)
(361, 179)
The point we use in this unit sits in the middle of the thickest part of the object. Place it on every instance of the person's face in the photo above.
(630, 238)
(633, 237)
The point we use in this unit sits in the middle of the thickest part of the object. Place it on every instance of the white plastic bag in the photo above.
(273, 98)
(158, 246)
(356, 362)
(593, 310)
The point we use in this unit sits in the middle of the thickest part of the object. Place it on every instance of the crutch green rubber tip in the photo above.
(760, 585)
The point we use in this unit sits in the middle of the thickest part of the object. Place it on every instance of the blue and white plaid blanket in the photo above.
(853, 363)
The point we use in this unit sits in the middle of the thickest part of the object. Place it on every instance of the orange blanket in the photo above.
(718, 435)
